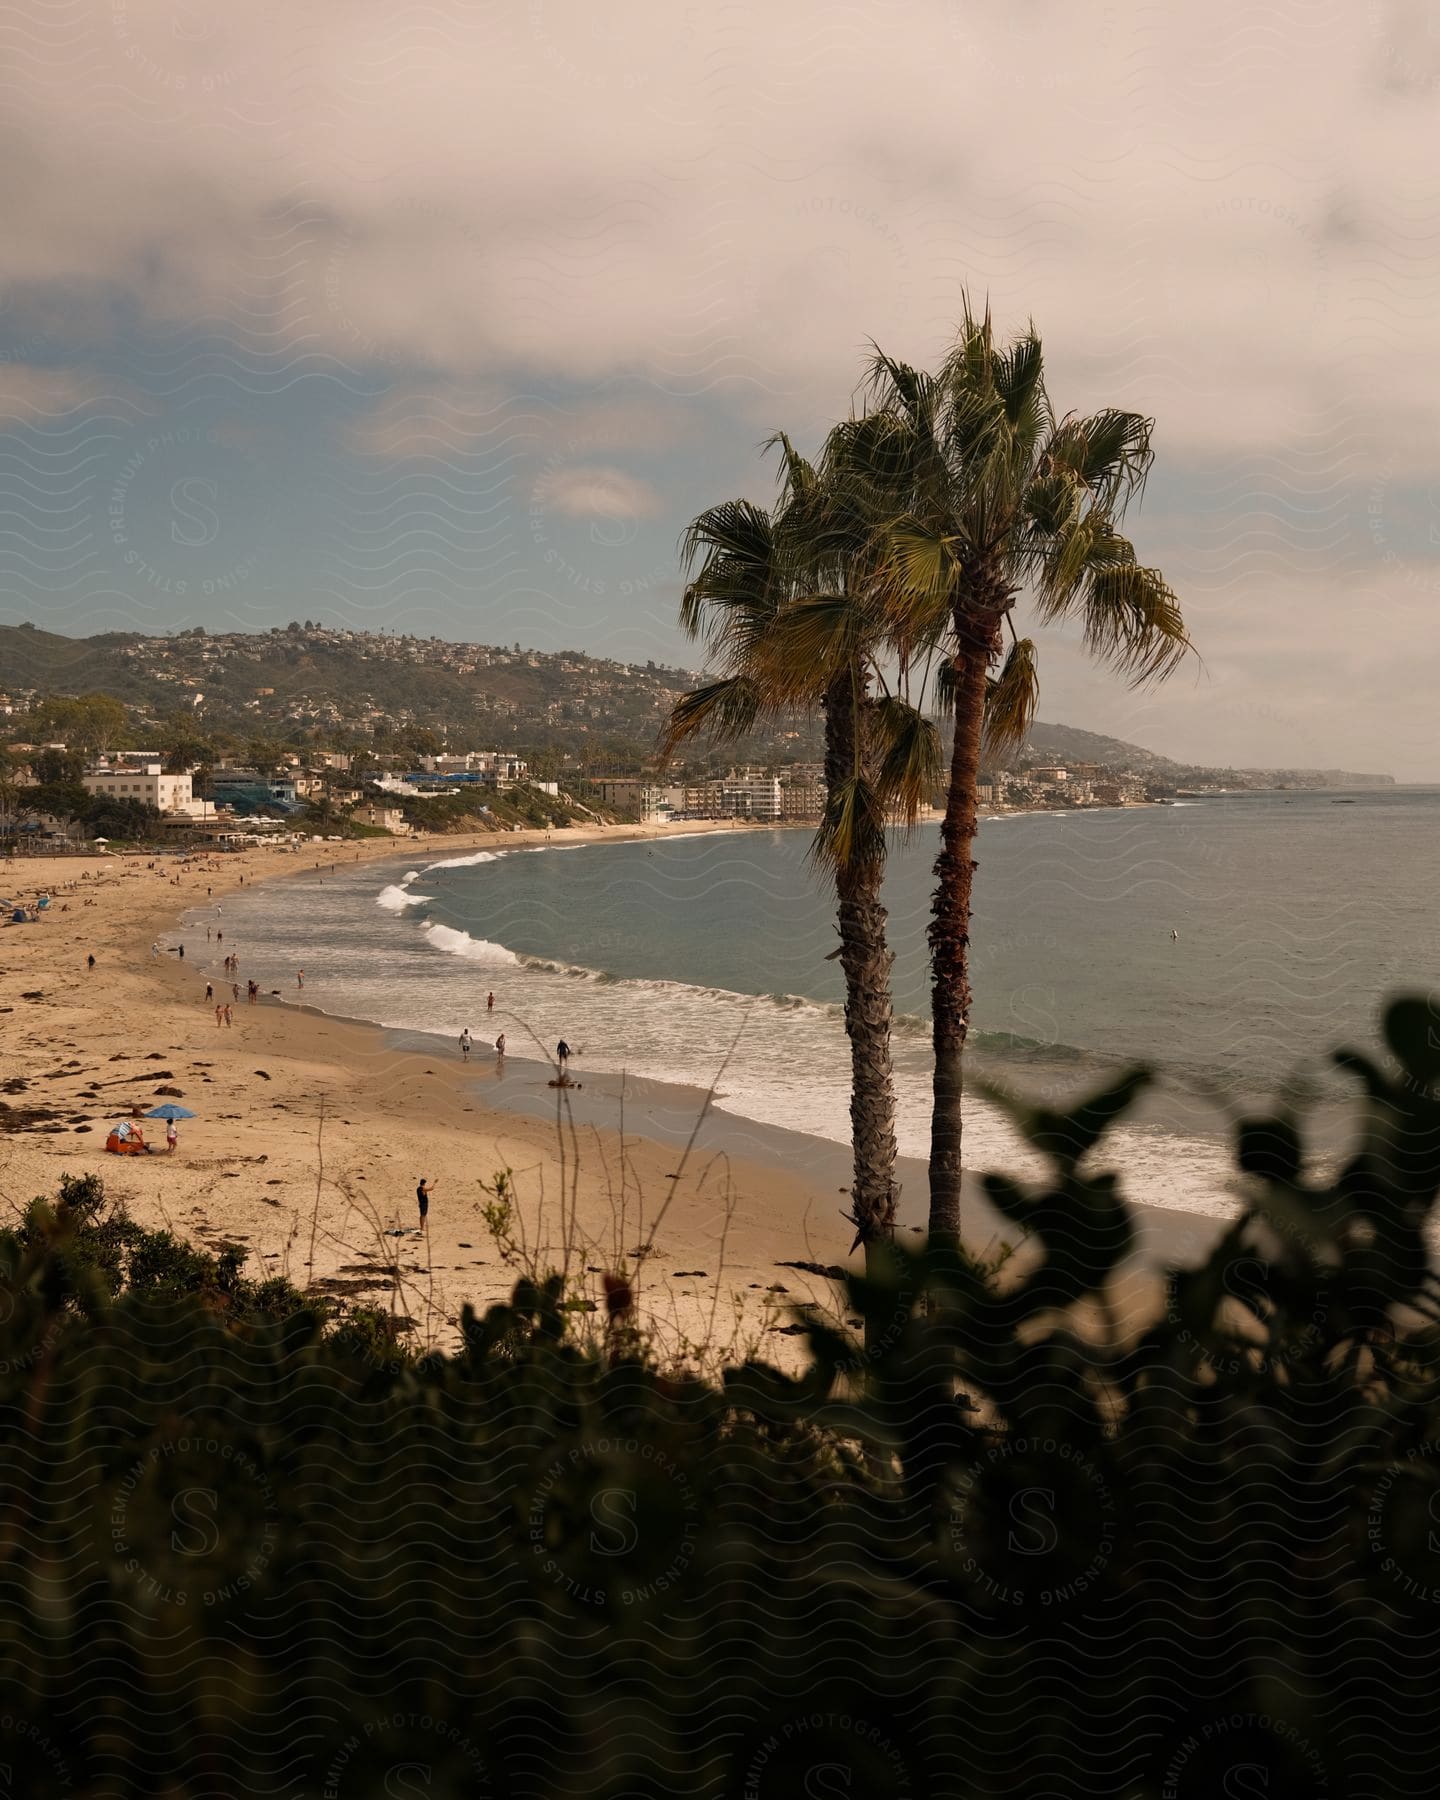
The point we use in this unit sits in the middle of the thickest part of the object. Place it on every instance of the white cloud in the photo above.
(1223, 216)
(596, 491)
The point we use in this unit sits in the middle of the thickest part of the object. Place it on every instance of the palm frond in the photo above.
(1011, 698)
(852, 827)
(736, 528)
(725, 709)
(797, 476)
(1131, 619)
(924, 564)
(812, 640)
(1109, 452)
(914, 581)
(907, 747)
(1020, 374)
(740, 583)
(947, 685)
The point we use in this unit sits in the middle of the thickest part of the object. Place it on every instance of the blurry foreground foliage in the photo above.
(247, 1546)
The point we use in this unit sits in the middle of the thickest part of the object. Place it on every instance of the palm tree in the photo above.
(993, 497)
(785, 603)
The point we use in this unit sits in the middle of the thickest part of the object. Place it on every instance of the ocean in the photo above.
(702, 956)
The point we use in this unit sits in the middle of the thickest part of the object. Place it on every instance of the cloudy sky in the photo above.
(447, 315)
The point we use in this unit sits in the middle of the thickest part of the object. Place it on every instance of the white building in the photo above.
(149, 784)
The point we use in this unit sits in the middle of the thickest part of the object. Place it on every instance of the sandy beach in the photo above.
(312, 1132)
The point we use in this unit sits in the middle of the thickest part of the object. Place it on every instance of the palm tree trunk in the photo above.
(866, 958)
(950, 938)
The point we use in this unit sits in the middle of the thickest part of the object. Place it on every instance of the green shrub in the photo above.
(248, 1545)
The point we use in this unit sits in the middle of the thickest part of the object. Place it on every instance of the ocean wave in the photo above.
(460, 943)
(396, 898)
(464, 862)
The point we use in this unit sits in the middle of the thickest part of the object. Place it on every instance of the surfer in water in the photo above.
(1174, 935)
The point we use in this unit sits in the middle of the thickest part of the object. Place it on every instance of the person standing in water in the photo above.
(490, 1004)
(300, 979)
(1174, 935)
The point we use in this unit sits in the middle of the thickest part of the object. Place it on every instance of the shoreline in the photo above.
(315, 1128)
(672, 1112)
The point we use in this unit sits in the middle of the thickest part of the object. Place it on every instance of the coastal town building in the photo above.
(247, 790)
(383, 818)
(146, 782)
(741, 794)
(492, 768)
(802, 791)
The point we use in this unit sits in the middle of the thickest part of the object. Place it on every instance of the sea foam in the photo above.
(460, 943)
(396, 898)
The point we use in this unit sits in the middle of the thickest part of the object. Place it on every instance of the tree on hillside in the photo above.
(58, 767)
(784, 603)
(17, 805)
(993, 498)
(85, 723)
(184, 747)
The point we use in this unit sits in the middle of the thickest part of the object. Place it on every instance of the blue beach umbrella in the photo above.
(170, 1111)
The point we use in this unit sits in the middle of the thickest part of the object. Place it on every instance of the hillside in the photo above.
(308, 681)
(1068, 743)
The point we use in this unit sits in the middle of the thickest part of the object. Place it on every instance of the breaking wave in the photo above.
(397, 897)
(460, 943)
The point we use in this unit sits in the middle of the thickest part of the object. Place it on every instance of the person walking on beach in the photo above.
(562, 1056)
(252, 989)
(90, 960)
(229, 1020)
(172, 1137)
(465, 1043)
(500, 1045)
(235, 992)
(209, 993)
(182, 953)
(219, 1015)
(422, 1196)
(155, 951)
